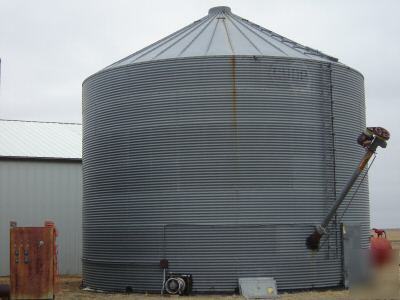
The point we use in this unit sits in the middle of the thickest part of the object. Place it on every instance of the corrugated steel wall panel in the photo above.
(34, 191)
(349, 111)
(222, 165)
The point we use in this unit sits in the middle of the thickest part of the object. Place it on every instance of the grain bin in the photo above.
(218, 148)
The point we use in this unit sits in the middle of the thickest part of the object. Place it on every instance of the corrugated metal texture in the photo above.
(217, 255)
(34, 191)
(221, 165)
(222, 33)
(349, 112)
(40, 139)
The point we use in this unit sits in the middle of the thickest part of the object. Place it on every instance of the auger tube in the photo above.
(370, 139)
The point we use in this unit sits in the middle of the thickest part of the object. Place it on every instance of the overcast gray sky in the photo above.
(49, 47)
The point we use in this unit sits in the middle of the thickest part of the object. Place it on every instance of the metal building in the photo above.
(218, 148)
(41, 179)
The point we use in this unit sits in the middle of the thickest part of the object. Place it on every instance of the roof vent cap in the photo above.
(219, 10)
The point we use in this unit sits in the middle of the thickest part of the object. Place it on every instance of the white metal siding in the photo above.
(40, 139)
(33, 191)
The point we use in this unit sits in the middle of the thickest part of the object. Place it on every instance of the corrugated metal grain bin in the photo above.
(218, 148)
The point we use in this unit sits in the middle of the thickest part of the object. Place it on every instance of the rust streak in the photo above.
(234, 93)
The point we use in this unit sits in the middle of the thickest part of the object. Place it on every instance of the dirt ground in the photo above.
(69, 288)
(394, 236)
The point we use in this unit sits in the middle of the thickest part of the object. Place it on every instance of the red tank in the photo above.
(381, 248)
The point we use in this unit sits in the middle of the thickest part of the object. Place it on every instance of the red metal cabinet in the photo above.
(32, 262)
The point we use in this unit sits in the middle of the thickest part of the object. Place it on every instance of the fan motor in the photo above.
(178, 284)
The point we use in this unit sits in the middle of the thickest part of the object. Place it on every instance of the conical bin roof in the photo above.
(222, 33)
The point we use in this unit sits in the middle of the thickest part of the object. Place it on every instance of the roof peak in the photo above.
(219, 10)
